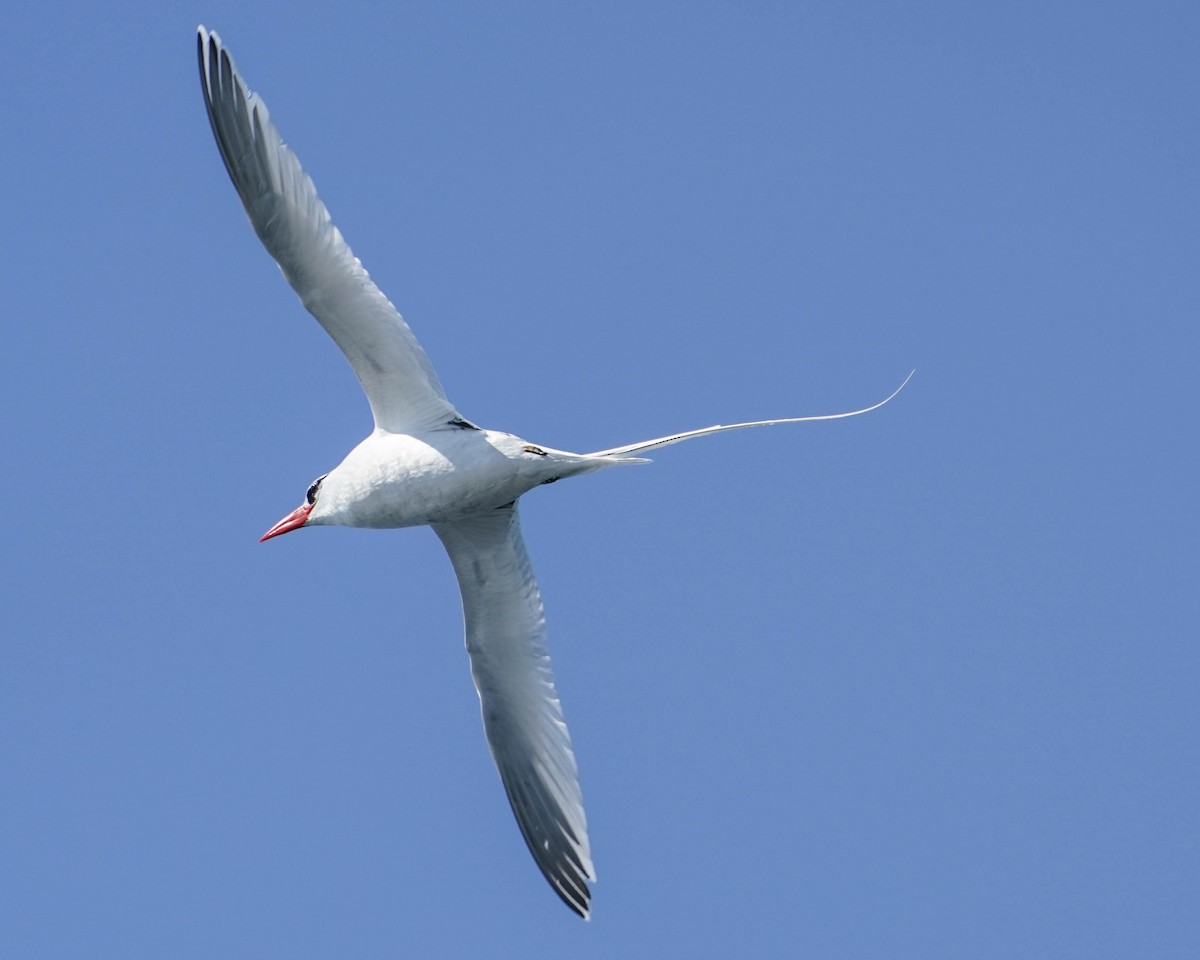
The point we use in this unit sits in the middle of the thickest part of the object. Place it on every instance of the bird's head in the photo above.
(301, 515)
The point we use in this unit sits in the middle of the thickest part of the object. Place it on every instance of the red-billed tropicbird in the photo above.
(424, 463)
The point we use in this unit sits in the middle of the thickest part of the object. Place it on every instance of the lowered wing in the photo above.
(506, 639)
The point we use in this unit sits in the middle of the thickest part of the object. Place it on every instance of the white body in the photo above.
(439, 476)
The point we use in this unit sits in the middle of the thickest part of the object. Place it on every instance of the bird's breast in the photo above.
(402, 480)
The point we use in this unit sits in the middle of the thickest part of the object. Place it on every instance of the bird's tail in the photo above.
(619, 454)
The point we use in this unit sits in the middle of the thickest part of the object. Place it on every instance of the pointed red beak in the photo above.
(293, 521)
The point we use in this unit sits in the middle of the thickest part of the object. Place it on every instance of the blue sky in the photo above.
(918, 684)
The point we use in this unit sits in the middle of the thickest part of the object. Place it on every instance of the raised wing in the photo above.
(296, 229)
(506, 638)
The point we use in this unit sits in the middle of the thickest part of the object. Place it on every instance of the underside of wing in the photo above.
(296, 229)
(506, 639)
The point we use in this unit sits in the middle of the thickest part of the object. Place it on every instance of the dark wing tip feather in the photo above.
(236, 117)
(551, 849)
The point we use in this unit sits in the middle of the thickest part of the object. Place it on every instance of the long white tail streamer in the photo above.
(720, 428)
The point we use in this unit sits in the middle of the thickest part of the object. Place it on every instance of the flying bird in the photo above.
(427, 464)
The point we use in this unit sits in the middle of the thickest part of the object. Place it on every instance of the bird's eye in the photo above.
(311, 496)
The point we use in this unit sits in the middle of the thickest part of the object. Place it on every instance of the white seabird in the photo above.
(424, 463)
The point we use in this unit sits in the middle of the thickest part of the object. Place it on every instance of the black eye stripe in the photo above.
(311, 496)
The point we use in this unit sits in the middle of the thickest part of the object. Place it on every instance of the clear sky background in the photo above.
(918, 684)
